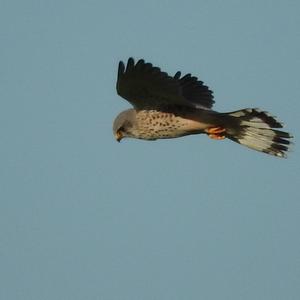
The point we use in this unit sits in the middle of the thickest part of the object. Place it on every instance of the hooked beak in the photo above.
(118, 136)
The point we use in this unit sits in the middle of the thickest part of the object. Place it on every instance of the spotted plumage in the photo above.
(170, 107)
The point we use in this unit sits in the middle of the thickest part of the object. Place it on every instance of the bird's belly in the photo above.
(160, 133)
(160, 125)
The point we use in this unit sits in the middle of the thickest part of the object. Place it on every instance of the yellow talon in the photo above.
(216, 137)
(215, 133)
(215, 130)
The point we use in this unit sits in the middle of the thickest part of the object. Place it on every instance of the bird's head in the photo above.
(124, 124)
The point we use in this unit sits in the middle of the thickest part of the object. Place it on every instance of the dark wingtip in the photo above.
(121, 68)
(177, 75)
(140, 64)
(130, 64)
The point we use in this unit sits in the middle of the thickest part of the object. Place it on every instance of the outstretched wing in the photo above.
(147, 87)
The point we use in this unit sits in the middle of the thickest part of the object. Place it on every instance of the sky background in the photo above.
(83, 217)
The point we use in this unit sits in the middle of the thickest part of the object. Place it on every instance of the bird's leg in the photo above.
(216, 133)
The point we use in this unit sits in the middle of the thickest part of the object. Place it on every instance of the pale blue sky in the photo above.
(83, 217)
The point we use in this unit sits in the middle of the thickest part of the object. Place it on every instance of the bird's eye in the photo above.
(121, 129)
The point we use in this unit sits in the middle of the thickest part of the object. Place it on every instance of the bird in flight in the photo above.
(167, 107)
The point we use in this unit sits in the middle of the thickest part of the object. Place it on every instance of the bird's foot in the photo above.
(216, 133)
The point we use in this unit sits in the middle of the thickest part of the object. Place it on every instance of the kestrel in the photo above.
(169, 107)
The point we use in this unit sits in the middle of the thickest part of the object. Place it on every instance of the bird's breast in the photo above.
(152, 124)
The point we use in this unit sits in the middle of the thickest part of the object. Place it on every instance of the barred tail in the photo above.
(253, 128)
